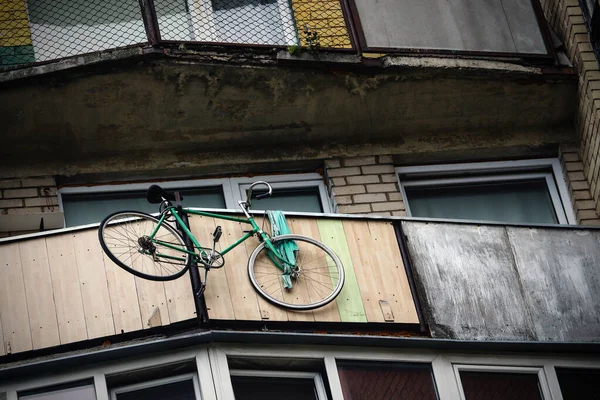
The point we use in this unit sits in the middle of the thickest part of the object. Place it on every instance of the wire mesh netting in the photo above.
(315, 23)
(43, 30)
(51, 29)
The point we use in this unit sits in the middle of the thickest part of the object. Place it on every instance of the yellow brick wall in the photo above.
(324, 17)
(566, 18)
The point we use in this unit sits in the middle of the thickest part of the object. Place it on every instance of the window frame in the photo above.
(233, 189)
(315, 376)
(548, 169)
(538, 371)
(158, 382)
(212, 367)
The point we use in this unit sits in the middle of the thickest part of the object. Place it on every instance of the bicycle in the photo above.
(291, 271)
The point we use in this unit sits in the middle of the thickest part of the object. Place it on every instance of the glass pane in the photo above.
(386, 381)
(302, 200)
(62, 28)
(248, 21)
(81, 209)
(74, 393)
(500, 386)
(579, 383)
(174, 20)
(172, 391)
(518, 202)
(261, 388)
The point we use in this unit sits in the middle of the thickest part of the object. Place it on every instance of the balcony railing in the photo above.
(33, 31)
(60, 288)
(43, 30)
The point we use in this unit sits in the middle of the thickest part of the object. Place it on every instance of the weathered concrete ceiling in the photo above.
(156, 113)
(507, 283)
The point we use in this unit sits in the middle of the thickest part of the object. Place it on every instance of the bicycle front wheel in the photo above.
(125, 238)
(317, 278)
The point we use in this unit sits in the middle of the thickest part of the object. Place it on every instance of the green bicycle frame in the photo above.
(273, 254)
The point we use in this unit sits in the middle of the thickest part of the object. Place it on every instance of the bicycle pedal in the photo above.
(217, 234)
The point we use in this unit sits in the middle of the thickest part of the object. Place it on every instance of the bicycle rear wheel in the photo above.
(124, 237)
(317, 280)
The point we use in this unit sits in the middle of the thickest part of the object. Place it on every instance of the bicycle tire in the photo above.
(119, 234)
(327, 278)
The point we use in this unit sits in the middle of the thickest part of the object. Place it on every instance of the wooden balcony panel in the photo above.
(61, 288)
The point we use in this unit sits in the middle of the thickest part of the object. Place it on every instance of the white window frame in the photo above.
(234, 189)
(158, 382)
(316, 377)
(300, 181)
(214, 376)
(504, 171)
(538, 371)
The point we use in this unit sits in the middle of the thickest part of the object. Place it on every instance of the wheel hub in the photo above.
(146, 245)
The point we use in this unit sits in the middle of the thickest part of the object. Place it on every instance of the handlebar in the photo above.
(260, 196)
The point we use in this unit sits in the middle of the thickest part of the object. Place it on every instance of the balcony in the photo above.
(58, 288)
(472, 282)
(38, 31)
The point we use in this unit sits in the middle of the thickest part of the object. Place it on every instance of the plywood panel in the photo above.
(349, 301)
(361, 248)
(67, 291)
(243, 296)
(123, 298)
(268, 311)
(390, 265)
(94, 288)
(180, 299)
(217, 295)
(38, 289)
(151, 295)
(2, 346)
(13, 301)
(308, 227)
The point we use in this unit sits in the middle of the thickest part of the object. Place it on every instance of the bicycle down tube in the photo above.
(255, 229)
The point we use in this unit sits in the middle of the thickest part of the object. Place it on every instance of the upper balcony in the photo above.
(38, 31)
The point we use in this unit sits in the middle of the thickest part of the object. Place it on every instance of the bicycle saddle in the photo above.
(155, 195)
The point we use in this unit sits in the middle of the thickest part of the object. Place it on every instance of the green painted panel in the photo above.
(349, 302)
(15, 55)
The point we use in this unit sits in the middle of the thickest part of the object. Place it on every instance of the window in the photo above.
(67, 28)
(382, 381)
(184, 387)
(227, 21)
(275, 385)
(70, 391)
(579, 383)
(481, 382)
(297, 192)
(528, 191)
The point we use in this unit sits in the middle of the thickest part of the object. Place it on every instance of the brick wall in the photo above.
(366, 185)
(26, 196)
(581, 196)
(566, 18)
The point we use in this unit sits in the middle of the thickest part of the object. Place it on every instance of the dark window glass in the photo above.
(62, 392)
(302, 200)
(518, 202)
(262, 388)
(183, 390)
(579, 383)
(81, 209)
(386, 381)
(500, 386)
